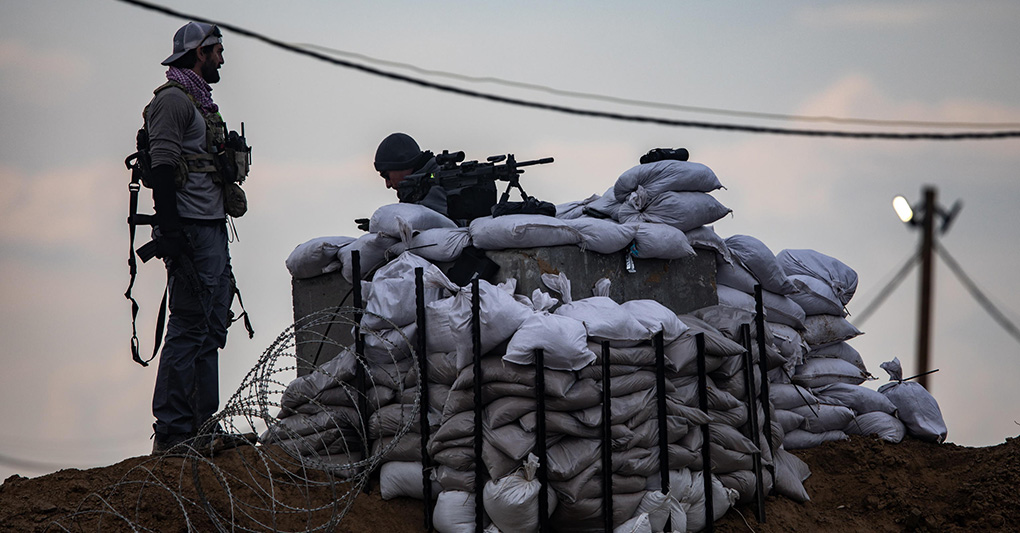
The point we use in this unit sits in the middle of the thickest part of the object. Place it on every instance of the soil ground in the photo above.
(860, 485)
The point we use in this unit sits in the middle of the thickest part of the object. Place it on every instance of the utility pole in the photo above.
(927, 288)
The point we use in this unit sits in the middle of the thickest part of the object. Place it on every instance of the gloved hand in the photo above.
(362, 223)
(172, 241)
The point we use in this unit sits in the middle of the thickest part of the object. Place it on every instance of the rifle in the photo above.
(470, 185)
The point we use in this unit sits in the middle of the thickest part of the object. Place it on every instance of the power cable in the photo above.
(911, 136)
(887, 290)
(659, 105)
(978, 295)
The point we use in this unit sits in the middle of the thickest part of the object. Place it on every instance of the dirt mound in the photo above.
(863, 484)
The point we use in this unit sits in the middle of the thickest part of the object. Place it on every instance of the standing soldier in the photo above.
(196, 167)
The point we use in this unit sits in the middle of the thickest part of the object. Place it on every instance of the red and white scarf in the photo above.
(195, 86)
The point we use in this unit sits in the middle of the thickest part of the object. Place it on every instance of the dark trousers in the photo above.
(187, 381)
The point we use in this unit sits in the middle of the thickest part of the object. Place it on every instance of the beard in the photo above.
(210, 71)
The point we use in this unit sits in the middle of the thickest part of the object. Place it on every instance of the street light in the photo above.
(924, 215)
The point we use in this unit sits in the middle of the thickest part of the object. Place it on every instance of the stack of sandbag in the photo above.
(755, 264)
(729, 377)
(663, 207)
(643, 239)
(396, 228)
(831, 370)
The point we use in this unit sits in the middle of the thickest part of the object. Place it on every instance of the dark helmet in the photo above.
(398, 151)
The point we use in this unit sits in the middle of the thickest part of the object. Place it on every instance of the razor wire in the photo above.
(298, 476)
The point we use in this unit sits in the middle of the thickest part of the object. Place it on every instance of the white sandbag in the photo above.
(820, 330)
(800, 439)
(440, 245)
(338, 370)
(915, 406)
(575, 209)
(682, 210)
(783, 309)
(454, 512)
(887, 427)
(605, 206)
(392, 301)
(816, 296)
(316, 257)
(521, 231)
(839, 350)
(385, 219)
(760, 260)
(816, 373)
(500, 315)
(562, 339)
(372, 247)
(638, 524)
(656, 317)
(660, 241)
(666, 175)
(788, 420)
(693, 501)
(512, 501)
(824, 417)
(789, 342)
(732, 297)
(603, 318)
(860, 399)
(735, 275)
(706, 238)
(402, 479)
(604, 236)
(840, 277)
(791, 472)
(788, 396)
(390, 345)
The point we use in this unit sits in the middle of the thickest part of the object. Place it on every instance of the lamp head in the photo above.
(903, 210)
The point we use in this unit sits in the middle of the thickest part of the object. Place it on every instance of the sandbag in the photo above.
(656, 317)
(372, 249)
(659, 241)
(439, 245)
(761, 262)
(562, 339)
(512, 501)
(915, 406)
(664, 176)
(316, 257)
(800, 439)
(839, 350)
(604, 206)
(402, 479)
(820, 372)
(816, 296)
(791, 472)
(860, 399)
(706, 238)
(682, 210)
(385, 219)
(454, 512)
(521, 231)
(603, 318)
(575, 209)
(604, 236)
(392, 301)
(887, 427)
(838, 275)
(824, 417)
(820, 330)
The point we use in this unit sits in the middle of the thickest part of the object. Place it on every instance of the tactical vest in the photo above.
(226, 159)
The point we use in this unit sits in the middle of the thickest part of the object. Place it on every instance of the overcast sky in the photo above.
(74, 77)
